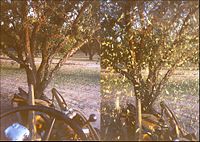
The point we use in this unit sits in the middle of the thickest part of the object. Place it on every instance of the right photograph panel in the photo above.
(149, 70)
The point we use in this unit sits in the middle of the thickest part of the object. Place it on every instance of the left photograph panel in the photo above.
(50, 70)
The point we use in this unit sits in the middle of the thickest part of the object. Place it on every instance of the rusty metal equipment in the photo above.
(54, 120)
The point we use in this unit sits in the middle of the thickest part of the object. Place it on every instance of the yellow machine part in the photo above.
(39, 122)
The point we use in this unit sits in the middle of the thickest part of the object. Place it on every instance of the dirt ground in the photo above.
(79, 82)
(81, 91)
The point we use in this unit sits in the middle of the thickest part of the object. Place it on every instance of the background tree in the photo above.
(155, 36)
(91, 48)
(48, 27)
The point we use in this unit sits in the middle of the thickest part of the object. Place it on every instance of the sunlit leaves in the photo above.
(149, 44)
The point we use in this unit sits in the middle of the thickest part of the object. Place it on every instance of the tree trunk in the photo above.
(147, 103)
(20, 56)
(91, 55)
(39, 89)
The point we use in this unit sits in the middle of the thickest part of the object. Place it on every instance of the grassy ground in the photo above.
(77, 76)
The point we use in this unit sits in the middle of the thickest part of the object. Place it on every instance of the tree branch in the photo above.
(40, 71)
(59, 46)
(170, 71)
(85, 5)
(10, 55)
(175, 42)
(122, 72)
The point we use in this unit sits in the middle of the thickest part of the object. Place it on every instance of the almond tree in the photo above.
(48, 27)
(91, 48)
(152, 36)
